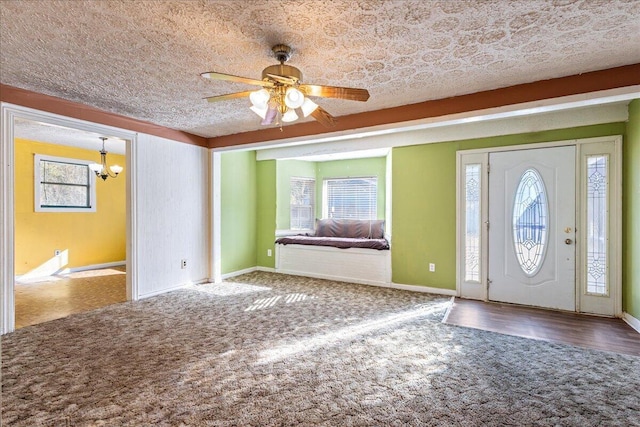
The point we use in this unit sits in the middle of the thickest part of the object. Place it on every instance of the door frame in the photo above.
(479, 289)
(10, 112)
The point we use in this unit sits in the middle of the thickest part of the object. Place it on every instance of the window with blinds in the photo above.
(303, 195)
(350, 198)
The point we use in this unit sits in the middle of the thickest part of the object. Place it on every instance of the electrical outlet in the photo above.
(432, 267)
(183, 264)
(268, 252)
(56, 252)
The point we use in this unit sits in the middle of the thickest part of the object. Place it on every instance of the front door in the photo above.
(532, 227)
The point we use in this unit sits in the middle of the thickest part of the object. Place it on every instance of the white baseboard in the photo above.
(632, 321)
(162, 291)
(173, 288)
(245, 271)
(414, 288)
(239, 272)
(427, 289)
(331, 277)
(29, 276)
(93, 267)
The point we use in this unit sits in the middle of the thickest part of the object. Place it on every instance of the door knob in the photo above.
(568, 241)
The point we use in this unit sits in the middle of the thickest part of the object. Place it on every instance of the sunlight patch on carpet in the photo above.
(270, 302)
(227, 288)
(278, 353)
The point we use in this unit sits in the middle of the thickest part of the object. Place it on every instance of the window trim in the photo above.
(313, 203)
(37, 158)
(325, 193)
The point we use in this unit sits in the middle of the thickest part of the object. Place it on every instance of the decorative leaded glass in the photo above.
(597, 225)
(530, 222)
(472, 223)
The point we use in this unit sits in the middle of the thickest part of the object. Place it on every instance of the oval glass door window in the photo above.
(530, 222)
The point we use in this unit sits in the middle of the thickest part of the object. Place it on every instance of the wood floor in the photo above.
(62, 295)
(598, 333)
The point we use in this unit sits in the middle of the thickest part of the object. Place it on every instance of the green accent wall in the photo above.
(266, 215)
(374, 166)
(286, 169)
(631, 213)
(424, 202)
(238, 210)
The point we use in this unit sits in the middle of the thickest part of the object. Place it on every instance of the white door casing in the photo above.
(545, 274)
(9, 113)
(607, 299)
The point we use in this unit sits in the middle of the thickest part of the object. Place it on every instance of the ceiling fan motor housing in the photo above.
(282, 70)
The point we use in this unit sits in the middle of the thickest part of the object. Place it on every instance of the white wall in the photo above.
(172, 214)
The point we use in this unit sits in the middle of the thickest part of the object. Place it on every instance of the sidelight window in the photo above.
(597, 236)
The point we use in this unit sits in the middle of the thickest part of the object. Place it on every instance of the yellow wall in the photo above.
(88, 237)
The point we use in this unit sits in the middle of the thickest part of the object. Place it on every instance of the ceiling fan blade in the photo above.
(283, 79)
(351, 93)
(323, 117)
(228, 96)
(236, 79)
(270, 116)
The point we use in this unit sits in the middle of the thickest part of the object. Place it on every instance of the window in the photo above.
(303, 194)
(472, 223)
(63, 185)
(597, 236)
(530, 213)
(350, 198)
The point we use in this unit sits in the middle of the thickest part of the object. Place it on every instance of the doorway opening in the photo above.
(60, 244)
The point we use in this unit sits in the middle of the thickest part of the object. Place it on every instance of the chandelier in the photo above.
(101, 169)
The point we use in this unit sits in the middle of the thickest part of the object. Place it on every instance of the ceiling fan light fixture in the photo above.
(262, 112)
(308, 107)
(260, 98)
(283, 95)
(289, 116)
(293, 98)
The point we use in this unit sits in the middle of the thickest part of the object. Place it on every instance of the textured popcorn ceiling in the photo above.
(143, 59)
(42, 132)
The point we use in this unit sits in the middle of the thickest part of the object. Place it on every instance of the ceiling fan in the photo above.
(283, 97)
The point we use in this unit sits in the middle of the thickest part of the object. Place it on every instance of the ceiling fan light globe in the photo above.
(293, 98)
(262, 112)
(308, 107)
(289, 116)
(259, 98)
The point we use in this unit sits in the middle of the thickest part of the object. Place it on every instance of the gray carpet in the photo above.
(273, 350)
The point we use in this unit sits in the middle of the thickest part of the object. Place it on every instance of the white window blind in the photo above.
(351, 198)
(303, 195)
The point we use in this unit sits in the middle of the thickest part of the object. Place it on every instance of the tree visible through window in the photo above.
(63, 184)
(351, 198)
(302, 203)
